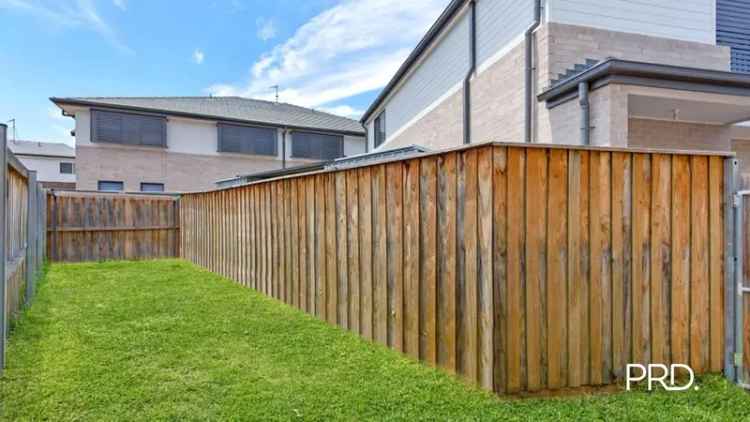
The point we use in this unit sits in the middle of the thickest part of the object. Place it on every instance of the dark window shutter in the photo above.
(247, 139)
(733, 30)
(128, 129)
(317, 146)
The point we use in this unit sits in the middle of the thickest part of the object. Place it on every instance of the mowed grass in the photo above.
(166, 340)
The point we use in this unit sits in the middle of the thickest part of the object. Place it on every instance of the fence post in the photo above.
(31, 236)
(3, 204)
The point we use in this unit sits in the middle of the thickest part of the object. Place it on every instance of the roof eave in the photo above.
(77, 102)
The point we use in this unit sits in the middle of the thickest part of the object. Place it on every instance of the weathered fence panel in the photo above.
(21, 245)
(519, 267)
(93, 226)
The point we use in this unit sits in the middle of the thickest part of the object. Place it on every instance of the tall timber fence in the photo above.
(519, 267)
(97, 226)
(21, 239)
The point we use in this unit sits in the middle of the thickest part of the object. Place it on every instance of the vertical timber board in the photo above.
(557, 267)
(500, 252)
(661, 248)
(446, 260)
(485, 280)
(641, 258)
(516, 271)
(680, 294)
(536, 259)
(352, 233)
(320, 245)
(310, 220)
(466, 284)
(412, 290)
(331, 252)
(342, 254)
(428, 260)
(394, 217)
(716, 261)
(364, 180)
(379, 273)
(600, 322)
(699, 277)
(304, 282)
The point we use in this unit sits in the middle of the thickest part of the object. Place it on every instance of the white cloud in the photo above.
(198, 56)
(266, 29)
(351, 48)
(343, 110)
(69, 14)
(120, 4)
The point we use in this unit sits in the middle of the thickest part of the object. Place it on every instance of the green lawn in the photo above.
(166, 340)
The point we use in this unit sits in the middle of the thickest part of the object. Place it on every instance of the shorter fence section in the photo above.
(520, 267)
(22, 209)
(93, 226)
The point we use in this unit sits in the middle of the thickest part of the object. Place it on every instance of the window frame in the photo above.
(310, 132)
(152, 184)
(378, 136)
(72, 167)
(94, 132)
(220, 126)
(99, 186)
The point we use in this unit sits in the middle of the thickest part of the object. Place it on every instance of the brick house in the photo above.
(178, 144)
(651, 73)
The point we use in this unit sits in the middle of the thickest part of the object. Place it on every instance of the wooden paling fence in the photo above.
(21, 240)
(520, 267)
(94, 226)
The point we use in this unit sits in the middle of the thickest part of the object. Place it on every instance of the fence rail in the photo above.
(522, 268)
(90, 226)
(21, 237)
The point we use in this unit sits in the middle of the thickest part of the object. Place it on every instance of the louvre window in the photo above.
(128, 129)
(67, 168)
(110, 186)
(732, 29)
(317, 146)
(152, 187)
(247, 139)
(379, 129)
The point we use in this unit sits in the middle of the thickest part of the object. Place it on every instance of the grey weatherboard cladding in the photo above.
(733, 30)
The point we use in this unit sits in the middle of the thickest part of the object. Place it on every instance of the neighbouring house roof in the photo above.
(232, 109)
(41, 149)
(450, 11)
(648, 74)
(339, 163)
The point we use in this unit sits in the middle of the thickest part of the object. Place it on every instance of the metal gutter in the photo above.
(472, 69)
(529, 72)
(649, 74)
(65, 101)
(450, 11)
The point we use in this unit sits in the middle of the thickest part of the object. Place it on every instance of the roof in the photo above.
(450, 11)
(47, 149)
(648, 74)
(236, 109)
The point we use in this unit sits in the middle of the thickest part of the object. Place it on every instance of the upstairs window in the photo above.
(67, 168)
(128, 129)
(247, 140)
(152, 187)
(379, 129)
(317, 146)
(110, 186)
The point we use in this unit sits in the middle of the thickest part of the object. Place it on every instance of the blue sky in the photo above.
(333, 55)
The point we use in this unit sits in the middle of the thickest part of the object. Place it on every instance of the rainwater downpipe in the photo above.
(472, 69)
(529, 99)
(583, 101)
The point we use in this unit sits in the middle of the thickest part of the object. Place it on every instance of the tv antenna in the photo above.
(13, 122)
(276, 88)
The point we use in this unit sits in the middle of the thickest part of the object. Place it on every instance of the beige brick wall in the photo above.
(178, 171)
(570, 44)
(677, 135)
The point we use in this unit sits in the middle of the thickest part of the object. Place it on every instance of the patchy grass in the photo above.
(166, 340)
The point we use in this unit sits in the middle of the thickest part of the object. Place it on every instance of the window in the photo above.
(379, 129)
(152, 187)
(128, 129)
(247, 139)
(67, 168)
(317, 146)
(110, 186)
